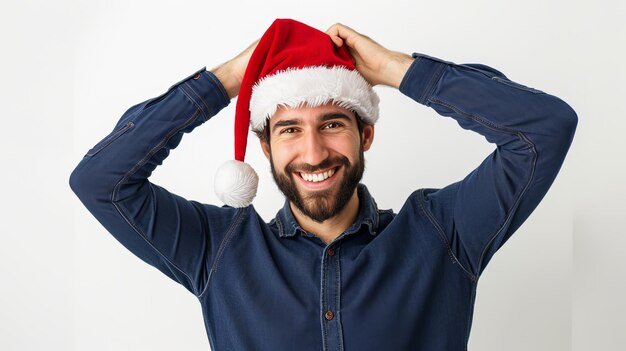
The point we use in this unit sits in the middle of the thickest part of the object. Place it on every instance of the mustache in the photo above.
(327, 163)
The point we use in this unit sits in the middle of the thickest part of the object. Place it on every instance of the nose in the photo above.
(314, 148)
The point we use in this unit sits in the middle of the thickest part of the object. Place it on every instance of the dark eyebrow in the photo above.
(285, 123)
(335, 115)
(323, 118)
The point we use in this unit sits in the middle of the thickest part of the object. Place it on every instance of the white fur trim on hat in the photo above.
(312, 86)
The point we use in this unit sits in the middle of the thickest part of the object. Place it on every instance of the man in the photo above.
(331, 271)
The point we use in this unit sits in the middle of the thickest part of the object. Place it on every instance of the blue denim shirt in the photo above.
(404, 281)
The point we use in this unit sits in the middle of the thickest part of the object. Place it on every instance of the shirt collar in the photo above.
(368, 215)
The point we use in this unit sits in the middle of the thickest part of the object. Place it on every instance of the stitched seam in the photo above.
(133, 170)
(442, 236)
(487, 73)
(113, 136)
(433, 81)
(322, 301)
(516, 85)
(487, 123)
(194, 92)
(532, 150)
(338, 297)
(193, 101)
(143, 236)
(238, 219)
(279, 224)
(533, 164)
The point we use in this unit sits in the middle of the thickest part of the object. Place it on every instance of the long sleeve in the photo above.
(532, 132)
(179, 237)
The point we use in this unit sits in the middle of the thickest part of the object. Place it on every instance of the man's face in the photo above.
(316, 155)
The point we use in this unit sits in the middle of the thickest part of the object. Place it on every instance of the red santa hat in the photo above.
(293, 65)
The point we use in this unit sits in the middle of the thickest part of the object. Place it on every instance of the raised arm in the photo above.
(179, 237)
(532, 132)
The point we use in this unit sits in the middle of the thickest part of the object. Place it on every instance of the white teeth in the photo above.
(310, 177)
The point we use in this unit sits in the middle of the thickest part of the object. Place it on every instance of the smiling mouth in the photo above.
(317, 177)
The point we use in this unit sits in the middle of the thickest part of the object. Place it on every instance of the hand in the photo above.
(375, 63)
(231, 72)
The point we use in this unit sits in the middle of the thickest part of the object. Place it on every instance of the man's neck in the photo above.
(331, 228)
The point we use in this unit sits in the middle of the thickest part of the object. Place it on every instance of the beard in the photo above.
(324, 204)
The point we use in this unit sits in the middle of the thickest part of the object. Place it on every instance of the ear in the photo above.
(367, 136)
(266, 148)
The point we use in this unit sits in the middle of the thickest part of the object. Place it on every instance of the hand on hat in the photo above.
(376, 64)
(231, 72)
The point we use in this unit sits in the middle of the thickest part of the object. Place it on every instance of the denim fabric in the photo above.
(404, 281)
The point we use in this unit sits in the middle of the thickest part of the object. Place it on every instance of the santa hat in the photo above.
(293, 65)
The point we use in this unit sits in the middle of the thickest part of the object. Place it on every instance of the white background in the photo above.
(71, 68)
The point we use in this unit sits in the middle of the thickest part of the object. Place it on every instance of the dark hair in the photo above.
(264, 134)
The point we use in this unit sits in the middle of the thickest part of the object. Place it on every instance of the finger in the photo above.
(343, 31)
(332, 32)
(347, 34)
(338, 41)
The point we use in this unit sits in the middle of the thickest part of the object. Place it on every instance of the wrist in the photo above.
(396, 68)
(228, 79)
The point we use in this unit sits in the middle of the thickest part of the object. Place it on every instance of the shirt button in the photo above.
(196, 77)
(329, 315)
(330, 252)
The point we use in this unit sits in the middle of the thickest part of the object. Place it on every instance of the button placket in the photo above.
(332, 334)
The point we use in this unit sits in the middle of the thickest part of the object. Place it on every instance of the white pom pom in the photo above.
(236, 183)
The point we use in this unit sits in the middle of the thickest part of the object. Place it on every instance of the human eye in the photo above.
(289, 130)
(332, 125)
